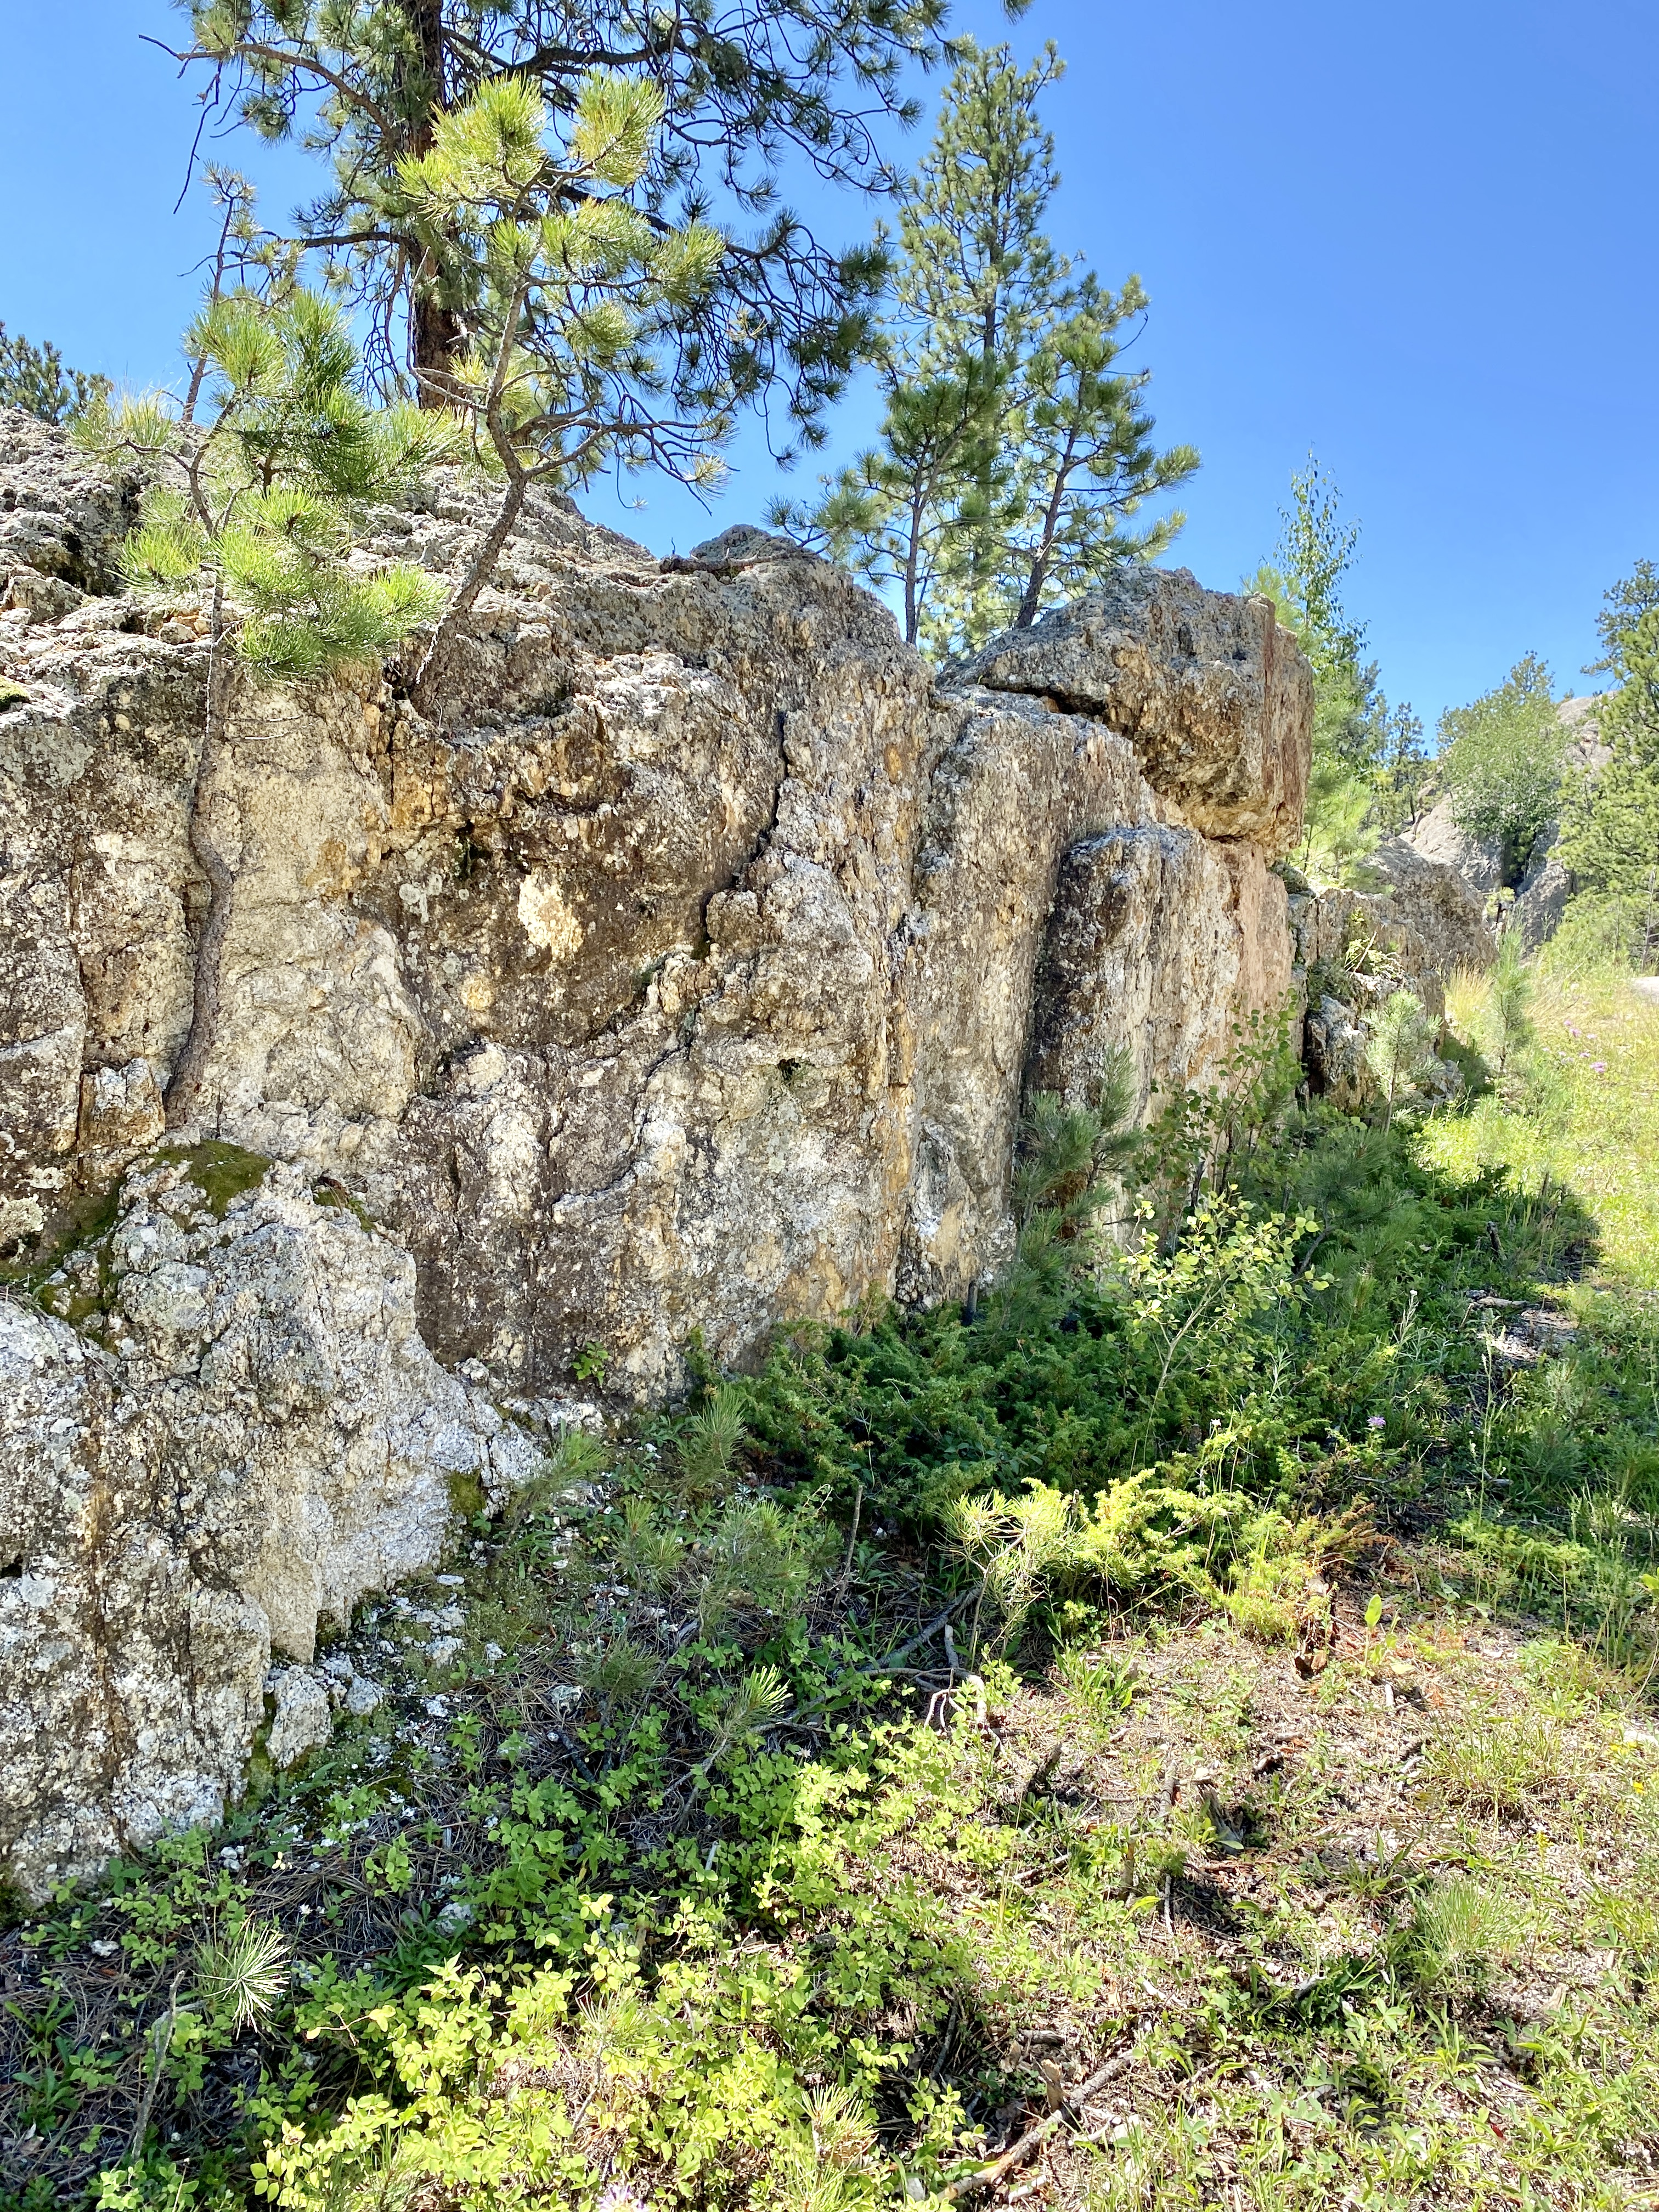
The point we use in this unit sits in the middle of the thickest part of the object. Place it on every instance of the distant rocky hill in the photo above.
(1541, 895)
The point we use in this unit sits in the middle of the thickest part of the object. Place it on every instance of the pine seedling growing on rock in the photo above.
(255, 502)
(251, 506)
(1015, 449)
(573, 318)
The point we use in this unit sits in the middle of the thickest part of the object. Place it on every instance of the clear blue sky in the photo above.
(1416, 238)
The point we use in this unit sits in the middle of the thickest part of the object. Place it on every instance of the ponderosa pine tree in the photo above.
(1364, 755)
(1014, 449)
(34, 378)
(255, 489)
(1403, 771)
(898, 513)
(1086, 462)
(744, 89)
(1610, 820)
(1315, 551)
(568, 367)
(1398, 1045)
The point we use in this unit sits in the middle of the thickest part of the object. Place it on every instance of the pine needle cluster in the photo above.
(255, 506)
(568, 362)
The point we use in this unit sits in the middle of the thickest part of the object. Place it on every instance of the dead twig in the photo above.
(160, 2045)
(887, 1665)
(990, 2177)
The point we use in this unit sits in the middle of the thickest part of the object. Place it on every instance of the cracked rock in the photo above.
(304, 1717)
(681, 964)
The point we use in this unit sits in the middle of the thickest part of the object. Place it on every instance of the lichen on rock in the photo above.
(238, 1435)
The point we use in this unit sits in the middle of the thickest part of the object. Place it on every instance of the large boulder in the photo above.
(1146, 958)
(673, 968)
(1413, 931)
(219, 1428)
(1210, 690)
(1541, 895)
(62, 519)
(1478, 861)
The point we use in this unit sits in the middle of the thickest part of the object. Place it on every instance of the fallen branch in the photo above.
(990, 2177)
(888, 1664)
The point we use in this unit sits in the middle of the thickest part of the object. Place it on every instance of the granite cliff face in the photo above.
(682, 965)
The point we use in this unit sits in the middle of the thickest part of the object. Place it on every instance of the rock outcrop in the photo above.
(1354, 948)
(1437, 839)
(1422, 925)
(682, 965)
(1531, 907)
(218, 1426)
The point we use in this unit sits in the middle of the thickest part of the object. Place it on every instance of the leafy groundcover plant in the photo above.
(1173, 1736)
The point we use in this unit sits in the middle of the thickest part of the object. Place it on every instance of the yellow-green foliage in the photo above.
(255, 504)
(1586, 1119)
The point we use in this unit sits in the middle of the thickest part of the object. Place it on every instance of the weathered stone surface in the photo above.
(673, 969)
(61, 518)
(214, 1432)
(1479, 860)
(302, 1716)
(1354, 949)
(1214, 695)
(1541, 896)
(1334, 1053)
(1150, 953)
(1414, 934)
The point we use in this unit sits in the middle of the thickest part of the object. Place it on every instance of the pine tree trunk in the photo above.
(1032, 598)
(434, 340)
(435, 330)
(483, 564)
(185, 1086)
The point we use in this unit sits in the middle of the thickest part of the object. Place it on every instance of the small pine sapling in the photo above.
(256, 503)
(1399, 1047)
(241, 1971)
(251, 505)
(1066, 1159)
(1508, 1013)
